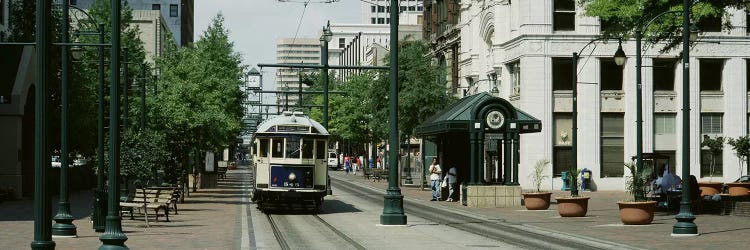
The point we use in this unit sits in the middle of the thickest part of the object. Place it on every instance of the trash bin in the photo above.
(566, 181)
(586, 179)
(100, 210)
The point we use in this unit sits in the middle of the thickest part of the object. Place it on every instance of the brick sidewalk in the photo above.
(602, 220)
(209, 219)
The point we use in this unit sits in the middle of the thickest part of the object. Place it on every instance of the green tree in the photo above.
(624, 16)
(422, 92)
(198, 105)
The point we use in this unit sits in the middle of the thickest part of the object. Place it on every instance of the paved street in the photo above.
(222, 218)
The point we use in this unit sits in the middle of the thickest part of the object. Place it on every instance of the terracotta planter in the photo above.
(739, 189)
(572, 206)
(710, 188)
(637, 213)
(536, 201)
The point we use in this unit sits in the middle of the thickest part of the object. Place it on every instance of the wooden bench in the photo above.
(156, 199)
(378, 174)
(221, 172)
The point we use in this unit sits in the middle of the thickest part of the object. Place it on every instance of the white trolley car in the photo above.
(290, 163)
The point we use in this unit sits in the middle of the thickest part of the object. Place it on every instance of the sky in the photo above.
(255, 25)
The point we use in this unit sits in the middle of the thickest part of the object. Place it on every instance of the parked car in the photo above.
(56, 161)
(333, 160)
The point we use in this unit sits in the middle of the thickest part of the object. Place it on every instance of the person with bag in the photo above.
(450, 179)
(435, 172)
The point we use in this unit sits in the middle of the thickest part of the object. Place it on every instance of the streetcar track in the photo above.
(284, 245)
(277, 233)
(494, 229)
(339, 233)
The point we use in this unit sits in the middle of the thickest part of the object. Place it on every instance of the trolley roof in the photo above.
(289, 120)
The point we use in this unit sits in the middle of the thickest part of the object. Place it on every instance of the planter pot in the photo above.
(739, 189)
(710, 188)
(572, 206)
(536, 201)
(637, 213)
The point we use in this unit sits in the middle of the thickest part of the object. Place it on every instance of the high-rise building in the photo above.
(294, 51)
(177, 14)
(378, 12)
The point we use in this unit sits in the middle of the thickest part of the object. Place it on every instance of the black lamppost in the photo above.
(619, 60)
(639, 89)
(42, 215)
(393, 207)
(63, 226)
(685, 225)
(324, 39)
(114, 237)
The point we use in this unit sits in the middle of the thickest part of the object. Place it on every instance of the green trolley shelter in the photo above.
(479, 135)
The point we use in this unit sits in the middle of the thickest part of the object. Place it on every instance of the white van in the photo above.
(333, 160)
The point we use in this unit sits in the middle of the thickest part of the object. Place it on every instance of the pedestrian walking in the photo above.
(451, 179)
(435, 172)
(347, 164)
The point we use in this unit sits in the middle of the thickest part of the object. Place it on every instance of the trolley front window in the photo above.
(307, 149)
(263, 147)
(292, 148)
(277, 148)
(320, 150)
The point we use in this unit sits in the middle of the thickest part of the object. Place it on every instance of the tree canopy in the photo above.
(622, 17)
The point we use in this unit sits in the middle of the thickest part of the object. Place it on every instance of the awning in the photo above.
(458, 117)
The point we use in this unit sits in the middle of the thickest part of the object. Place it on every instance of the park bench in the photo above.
(147, 198)
(378, 174)
(222, 172)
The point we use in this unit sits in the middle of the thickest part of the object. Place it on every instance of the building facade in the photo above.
(294, 51)
(153, 32)
(528, 46)
(378, 12)
(178, 15)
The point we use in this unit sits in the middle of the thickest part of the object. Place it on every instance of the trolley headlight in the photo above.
(292, 177)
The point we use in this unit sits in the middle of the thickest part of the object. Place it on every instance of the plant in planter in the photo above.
(638, 210)
(538, 200)
(573, 205)
(714, 147)
(741, 147)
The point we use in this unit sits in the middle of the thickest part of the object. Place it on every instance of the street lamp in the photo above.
(324, 39)
(620, 59)
(63, 226)
(639, 87)
(393, 207)
(685, 225)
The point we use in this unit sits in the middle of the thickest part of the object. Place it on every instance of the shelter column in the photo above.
(516, 156)
(473, 163)
(507, 150)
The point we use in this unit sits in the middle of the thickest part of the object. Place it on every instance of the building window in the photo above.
(563, 150)
(611, 74)
(173, 10)
(711, 127)
(156, 6)
(412, 8)
(663, 74)
(565, 15)
(514, 69)
(381, 9)
(381, 20)
(2, 12)
(372, 8)
(562, 74)
(72, 2)
(420, 8)
(710, 74)
(387, 20)
(747, 18)
(613, 146)
(710, 24)
(664, 124)
(342, 43)
(372, 20)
